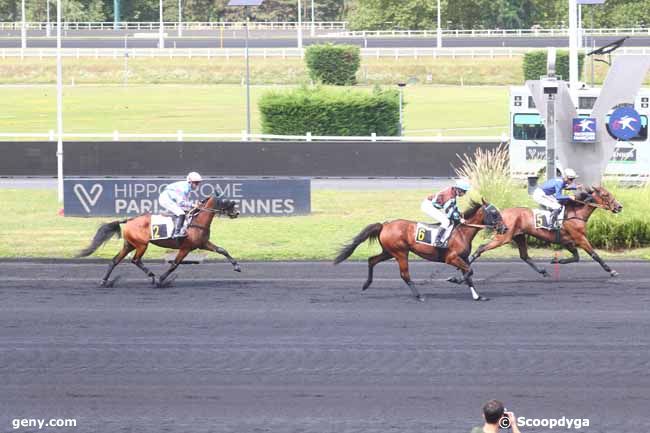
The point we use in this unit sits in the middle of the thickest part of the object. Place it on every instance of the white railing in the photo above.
(154, 25)
(227, 53)
(243, 136)
(483, 33)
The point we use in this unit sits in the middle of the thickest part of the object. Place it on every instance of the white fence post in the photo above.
(51, 135)
(179, 135)
(308, 137)
(116, 136)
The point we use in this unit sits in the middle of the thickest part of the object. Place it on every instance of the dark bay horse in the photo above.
(397, 240)
(137, 236)
(572, 235)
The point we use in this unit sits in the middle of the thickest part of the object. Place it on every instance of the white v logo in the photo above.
(88, 199)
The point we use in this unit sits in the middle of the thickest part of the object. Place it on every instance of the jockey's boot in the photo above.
(555, 215)
(439, 238)
(179, 220)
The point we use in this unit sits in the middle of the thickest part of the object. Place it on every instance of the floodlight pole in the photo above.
(313, 20)
(573, 49)
(439, 30)
(299, 25)
(116, 14)
(248, 80)
(59, 104)
(23, 27)
(401, 105)
(180, 18)
(161, 38)
(550, 88)
(47, 28)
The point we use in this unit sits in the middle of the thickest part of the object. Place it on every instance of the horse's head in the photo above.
(486, 214)
(605, 199)
(226, 207)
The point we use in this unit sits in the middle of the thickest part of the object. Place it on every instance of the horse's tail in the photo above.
(370, 232)
(104, 233)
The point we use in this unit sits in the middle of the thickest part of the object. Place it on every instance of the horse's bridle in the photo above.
(198, 210)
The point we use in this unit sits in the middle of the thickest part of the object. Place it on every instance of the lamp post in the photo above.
(116, 14)
(161, 28)
(299, 25)
(180, 18)
(59, 104)
(47, 28)
(246, 4)
(313, 20)
(439, 31)
(401, 86)
(23, 28)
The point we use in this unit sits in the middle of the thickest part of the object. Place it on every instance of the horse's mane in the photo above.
(471, 211)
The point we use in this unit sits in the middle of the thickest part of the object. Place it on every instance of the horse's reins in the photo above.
(596, 205)
(205, 209)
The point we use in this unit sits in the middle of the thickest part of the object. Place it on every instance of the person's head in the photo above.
(569, 176)
(493, 411)
(194, 179)
(462, 186)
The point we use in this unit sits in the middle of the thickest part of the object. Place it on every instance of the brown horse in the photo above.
(137, 236)
(397, 240)
(573, 233)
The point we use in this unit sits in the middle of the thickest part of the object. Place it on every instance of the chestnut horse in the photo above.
(397, 240)
(137, 236)
(573, 233)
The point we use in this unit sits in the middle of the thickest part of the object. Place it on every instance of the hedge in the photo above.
(328, 111)
(333, 64)
(534, 64)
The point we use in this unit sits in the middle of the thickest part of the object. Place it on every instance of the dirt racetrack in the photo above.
(296, 347)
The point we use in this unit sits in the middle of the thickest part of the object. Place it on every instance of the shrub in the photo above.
(489, 174)
(327, 111)
(535, 64)
(333, 64)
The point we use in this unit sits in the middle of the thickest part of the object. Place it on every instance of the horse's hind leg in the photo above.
(403, 262)
(522, 244)
(126, 249)
(372, 261)
(137, 260)
(209, 246)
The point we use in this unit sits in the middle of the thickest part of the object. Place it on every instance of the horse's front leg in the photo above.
(467, 271)
(586, 245)
(209, 246)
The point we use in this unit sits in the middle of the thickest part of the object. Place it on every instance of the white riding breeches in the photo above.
(169, 204)
(548, 201)
(438, 215)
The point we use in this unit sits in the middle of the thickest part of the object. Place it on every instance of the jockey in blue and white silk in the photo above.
(175, 198)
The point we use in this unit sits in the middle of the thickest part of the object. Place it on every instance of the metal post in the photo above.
(180, 18)
(248, 81)
(23, 28)
(59, 104)
(47, 28)
(299, 25)
(401, 120)
(116, 14)
(161, 38)
(126, 59)
(573, 49)
(439, 30)
(550, 136)
(550, 87)
(313, 20)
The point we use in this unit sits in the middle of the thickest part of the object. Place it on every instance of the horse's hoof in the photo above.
(237, 268)
(161, 284)
(544, 273)
(455, 280)
(107, 284)
(365, 287)
(419, 298)
(613, 273)
(482, 298)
